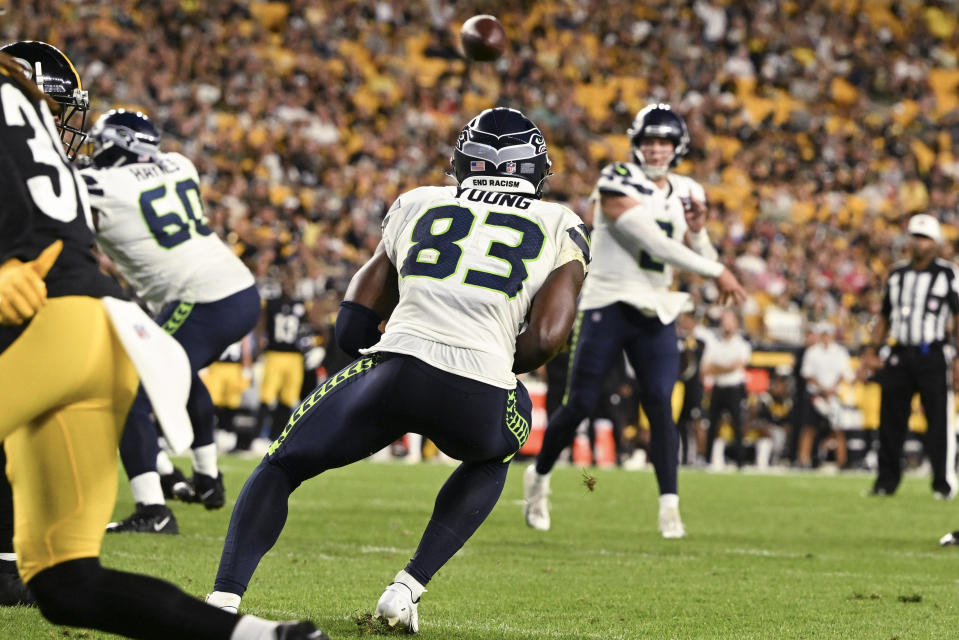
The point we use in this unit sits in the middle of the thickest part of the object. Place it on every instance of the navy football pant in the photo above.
(205, 330)
(357, 412)
(600, 337)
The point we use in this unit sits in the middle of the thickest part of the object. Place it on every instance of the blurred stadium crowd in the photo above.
(818, 126)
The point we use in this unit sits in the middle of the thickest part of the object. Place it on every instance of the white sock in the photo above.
(204, 460)
(146, 488)
(411, 582)
(253, 628)
(164, 465)
(8, 557)
(717, 456)
(669, 501)
(764, 451)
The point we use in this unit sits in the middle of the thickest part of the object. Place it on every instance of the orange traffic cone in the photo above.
(605, 444)
(582, 452)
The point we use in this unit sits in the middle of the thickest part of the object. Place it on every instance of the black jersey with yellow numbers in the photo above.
(43, 200)
(284, 318)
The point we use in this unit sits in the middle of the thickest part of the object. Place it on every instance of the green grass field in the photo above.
(767, 556)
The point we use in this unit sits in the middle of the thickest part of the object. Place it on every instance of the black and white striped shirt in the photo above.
(918, 304)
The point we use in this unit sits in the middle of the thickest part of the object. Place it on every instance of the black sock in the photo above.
(462, 505)
(6, 507)
(81, 593)
(281, 414)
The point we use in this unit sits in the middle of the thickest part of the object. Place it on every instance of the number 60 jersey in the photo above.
(469, 263)
(151, 224)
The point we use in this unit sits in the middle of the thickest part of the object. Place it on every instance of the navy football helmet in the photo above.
(56, 76)
(659, 121)
(501, 150)
(121, 137)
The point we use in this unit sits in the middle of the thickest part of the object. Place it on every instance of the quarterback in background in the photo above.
(644, 213)
(477, 282)
(149, 218)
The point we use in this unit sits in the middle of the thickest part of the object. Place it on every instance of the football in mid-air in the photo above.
(483, 38)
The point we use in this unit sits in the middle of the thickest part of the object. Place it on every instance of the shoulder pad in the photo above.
(93, 187)
(622, 178)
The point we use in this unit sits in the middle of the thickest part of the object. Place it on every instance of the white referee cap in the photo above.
(923, 224)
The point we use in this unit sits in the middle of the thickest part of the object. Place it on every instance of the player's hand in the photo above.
(695, 213)
(22, 290)
(730, 291)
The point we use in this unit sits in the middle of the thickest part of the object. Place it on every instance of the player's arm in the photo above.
(551, 317)
(635, 228)
(371, 297)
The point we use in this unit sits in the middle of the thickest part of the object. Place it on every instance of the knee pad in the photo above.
(66, 592)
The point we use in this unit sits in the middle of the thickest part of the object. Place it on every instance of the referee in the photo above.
(919, 299)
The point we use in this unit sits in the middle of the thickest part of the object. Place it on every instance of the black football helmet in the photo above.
(501, 150)
(120, 137)
(659, 121)
(56, 76)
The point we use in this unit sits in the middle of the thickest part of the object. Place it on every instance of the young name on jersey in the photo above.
(470, 262)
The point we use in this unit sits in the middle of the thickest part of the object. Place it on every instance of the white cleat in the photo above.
(229, 602)
(536, 494)
(670, 524)
(396, 606)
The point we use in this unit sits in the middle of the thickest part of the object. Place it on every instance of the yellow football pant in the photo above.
(226, 384)
(283, 377)
(67, 387)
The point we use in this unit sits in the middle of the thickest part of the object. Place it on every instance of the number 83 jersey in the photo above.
(150, 222)
(470, 262)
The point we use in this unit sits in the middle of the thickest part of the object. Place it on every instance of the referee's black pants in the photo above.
(908, 370)
(729, 399)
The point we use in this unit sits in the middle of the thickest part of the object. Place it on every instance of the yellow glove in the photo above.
(22, 290)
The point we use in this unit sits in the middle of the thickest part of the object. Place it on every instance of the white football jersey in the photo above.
(151, 224)
(469, 263)
(617, 274)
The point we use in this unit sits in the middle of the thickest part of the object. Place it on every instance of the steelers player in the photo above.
(150, 221)
(459, 271)
(284, 319)
(67, 380)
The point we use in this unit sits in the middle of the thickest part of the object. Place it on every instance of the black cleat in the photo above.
(170, 480)
(299, 631)
(148, 518)
(202, 488)
(12, 590)
(950, 539)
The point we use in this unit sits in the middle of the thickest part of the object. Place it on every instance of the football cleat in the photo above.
(229, 602)
(949, 539)
(202, 488)
(12, 590)
(148, 518)
(299, 631)
(536, 494)
(170, 480)
(670, 524)
(396, 606)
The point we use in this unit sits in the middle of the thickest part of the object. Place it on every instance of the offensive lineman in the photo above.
(150, 221)
(644, 212)
(457, 273)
